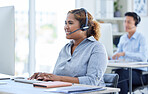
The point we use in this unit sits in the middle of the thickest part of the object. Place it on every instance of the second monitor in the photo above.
(106, 37)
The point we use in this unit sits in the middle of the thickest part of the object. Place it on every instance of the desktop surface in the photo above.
(122, 64)
(12, 87)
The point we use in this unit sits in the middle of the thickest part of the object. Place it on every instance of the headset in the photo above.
(83, 27)
(138, 20)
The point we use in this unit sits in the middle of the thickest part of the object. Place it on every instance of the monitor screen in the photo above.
(106, 37)
(7, 40)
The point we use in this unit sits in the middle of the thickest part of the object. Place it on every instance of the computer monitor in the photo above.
(7, 40)
(106, 37)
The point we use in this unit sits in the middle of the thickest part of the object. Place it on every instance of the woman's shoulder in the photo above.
(98, 43)
(99, 46)
(95, 43)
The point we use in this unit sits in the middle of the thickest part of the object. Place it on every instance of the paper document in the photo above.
(75, 89)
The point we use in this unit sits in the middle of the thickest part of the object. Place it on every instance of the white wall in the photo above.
(143, 27)
(97, 8)
(89, 5)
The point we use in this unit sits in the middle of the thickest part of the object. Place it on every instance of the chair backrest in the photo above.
(111, 80)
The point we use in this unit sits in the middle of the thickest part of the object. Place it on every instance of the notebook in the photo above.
(75, 89)
(52, 84)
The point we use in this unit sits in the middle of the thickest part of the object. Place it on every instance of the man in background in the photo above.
(131, 48)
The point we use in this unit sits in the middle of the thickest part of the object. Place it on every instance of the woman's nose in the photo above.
(66, 26)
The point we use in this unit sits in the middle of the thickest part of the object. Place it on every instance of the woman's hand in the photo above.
(117, 55)
(51, 77)
(38, 76)
(34, 76)
(44, 77)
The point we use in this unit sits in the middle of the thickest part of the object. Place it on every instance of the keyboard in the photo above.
(4, 76)
(28, 81)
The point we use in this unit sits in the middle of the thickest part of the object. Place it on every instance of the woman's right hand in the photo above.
(35, 76)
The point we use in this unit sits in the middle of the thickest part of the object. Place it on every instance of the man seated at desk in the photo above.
(132, 48)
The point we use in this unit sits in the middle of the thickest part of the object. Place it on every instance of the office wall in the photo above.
(89, 5)
(142, 27)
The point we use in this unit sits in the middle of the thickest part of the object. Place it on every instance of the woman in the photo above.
(131, 48)
(84, 59)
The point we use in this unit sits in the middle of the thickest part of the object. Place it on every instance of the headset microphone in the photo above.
(79, 29)
(74, 31)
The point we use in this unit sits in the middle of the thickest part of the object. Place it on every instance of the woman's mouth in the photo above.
(67, 32)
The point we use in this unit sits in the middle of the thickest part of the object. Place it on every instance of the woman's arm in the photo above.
(96, 67)
(52, 77)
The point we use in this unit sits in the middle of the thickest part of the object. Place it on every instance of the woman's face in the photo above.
(71, 24)
(129, 24)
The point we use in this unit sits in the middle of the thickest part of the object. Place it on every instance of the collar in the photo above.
(134, 36)
(91, 38)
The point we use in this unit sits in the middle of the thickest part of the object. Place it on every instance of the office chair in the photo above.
(111, 80)
(143, 85)
(138, 87)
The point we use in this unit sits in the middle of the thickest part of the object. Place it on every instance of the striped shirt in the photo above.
(88, 62)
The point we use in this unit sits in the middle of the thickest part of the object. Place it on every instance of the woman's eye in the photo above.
(70, 23)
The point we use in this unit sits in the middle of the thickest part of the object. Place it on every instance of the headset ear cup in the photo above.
(82, 27)
(139, 19)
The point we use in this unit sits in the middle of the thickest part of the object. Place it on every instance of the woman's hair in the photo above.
(94, 27)
(136, 17)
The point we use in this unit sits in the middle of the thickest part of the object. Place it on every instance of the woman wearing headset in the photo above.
(84, 59)
(131, 48)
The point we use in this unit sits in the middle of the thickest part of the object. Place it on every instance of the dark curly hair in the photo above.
(94, 27)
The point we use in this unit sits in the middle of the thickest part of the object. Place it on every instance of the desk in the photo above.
(21, 88)
(130, 66)
(4, 76)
